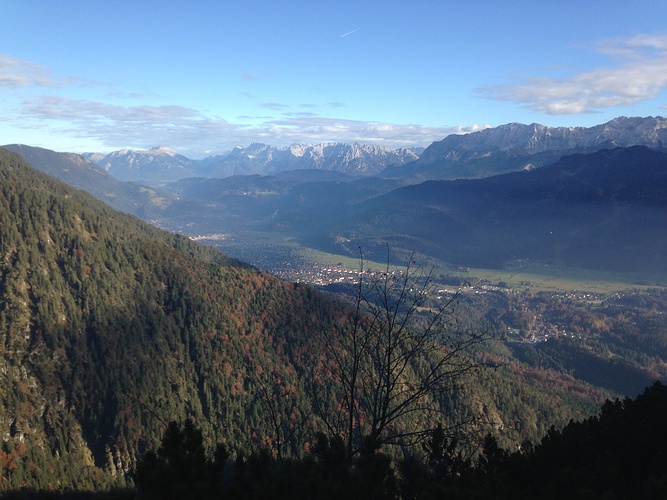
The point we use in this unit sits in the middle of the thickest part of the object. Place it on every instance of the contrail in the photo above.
(350, 32)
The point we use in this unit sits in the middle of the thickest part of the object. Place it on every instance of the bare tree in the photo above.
(394, 359)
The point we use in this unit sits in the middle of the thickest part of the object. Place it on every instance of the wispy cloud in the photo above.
(124, 126)
(18, 74)
(316, 129)
(44, 103)
(638, 72)
(192, 133)
(15, 73)
(276, 106)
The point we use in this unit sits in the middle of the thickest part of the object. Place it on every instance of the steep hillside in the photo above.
(110, 327)
(82, 173)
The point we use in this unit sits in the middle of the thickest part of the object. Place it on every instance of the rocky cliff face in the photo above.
(536, 138)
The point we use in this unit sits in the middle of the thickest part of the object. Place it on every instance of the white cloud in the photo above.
(192, 133)
(315, 129)
(638, 73)
(15, 73)
(276, 106)
(187, 130)
(121, 126)
(18, 74)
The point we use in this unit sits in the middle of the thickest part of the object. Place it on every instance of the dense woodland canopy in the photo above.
(618, 453)
(110, 329)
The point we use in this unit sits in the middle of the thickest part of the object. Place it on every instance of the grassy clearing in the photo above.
(332, 259)
(567, 279)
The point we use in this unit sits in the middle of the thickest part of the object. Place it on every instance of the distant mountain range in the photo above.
(513, 147)
(486, 202)
(161, 164)
(507, 148)
(352, 159)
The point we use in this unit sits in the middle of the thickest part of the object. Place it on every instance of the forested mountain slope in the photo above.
(604, 211)
(76, 170)
(109, 328)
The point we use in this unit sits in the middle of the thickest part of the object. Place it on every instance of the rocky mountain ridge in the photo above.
(506, 148)
(515, 146)
(536, 138)
(159, 163)
(162, 164)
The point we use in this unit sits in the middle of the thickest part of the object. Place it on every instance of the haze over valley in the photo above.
(571, 198)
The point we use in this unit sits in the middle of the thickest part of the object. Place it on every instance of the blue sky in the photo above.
(204, 76)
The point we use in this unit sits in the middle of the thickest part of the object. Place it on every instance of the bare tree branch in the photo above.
(395, 358)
